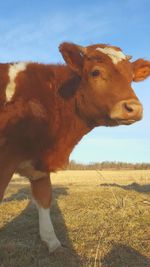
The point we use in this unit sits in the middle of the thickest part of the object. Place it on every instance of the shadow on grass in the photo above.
(21, 194)
(144, 188)
(124, 256)
(20, 244)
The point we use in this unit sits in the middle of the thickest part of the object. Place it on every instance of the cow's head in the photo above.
(105, 95)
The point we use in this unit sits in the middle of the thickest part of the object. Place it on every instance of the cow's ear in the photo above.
(141, 69)
(73, 55)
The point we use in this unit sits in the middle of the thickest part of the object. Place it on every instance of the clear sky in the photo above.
(31, 30)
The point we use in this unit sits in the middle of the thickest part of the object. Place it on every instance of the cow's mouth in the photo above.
(125, 122)
(117, 122)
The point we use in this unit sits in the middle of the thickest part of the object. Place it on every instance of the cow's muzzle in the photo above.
(127, 111)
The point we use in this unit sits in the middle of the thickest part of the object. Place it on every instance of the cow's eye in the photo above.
(95, 73)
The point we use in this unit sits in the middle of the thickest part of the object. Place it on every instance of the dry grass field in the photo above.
(101, 217)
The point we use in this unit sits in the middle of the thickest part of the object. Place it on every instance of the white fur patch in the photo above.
(27, 169)
(12, 73)
(116, 56)
(46, 229)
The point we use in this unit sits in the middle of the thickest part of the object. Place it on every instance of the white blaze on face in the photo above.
(116, 56)
(14, 69)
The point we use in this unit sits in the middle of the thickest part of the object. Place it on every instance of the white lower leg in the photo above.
(46, 229)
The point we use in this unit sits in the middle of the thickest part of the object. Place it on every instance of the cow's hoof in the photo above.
(60, 250)
(54, 246)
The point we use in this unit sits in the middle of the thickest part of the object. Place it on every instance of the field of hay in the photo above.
(101, 217)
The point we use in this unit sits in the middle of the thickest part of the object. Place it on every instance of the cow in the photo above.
(45, 110)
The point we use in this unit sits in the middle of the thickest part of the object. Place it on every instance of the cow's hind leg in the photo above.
(9, 160)
(42, 194)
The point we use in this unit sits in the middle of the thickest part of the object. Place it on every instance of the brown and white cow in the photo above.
(45, 110)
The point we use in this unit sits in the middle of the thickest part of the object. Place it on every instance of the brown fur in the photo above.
(54, 106)
(42, 191)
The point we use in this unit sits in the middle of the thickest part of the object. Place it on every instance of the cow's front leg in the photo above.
(42, 194)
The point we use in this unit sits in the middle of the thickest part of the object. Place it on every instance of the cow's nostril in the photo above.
(128, 107)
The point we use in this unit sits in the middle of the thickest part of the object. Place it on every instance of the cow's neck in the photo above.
(70, 127)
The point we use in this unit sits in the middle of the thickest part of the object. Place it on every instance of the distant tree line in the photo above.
(108, 165)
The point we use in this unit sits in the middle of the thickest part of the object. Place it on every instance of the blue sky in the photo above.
(31, 30)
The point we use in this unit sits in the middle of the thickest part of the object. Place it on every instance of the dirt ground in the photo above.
(101, 217)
